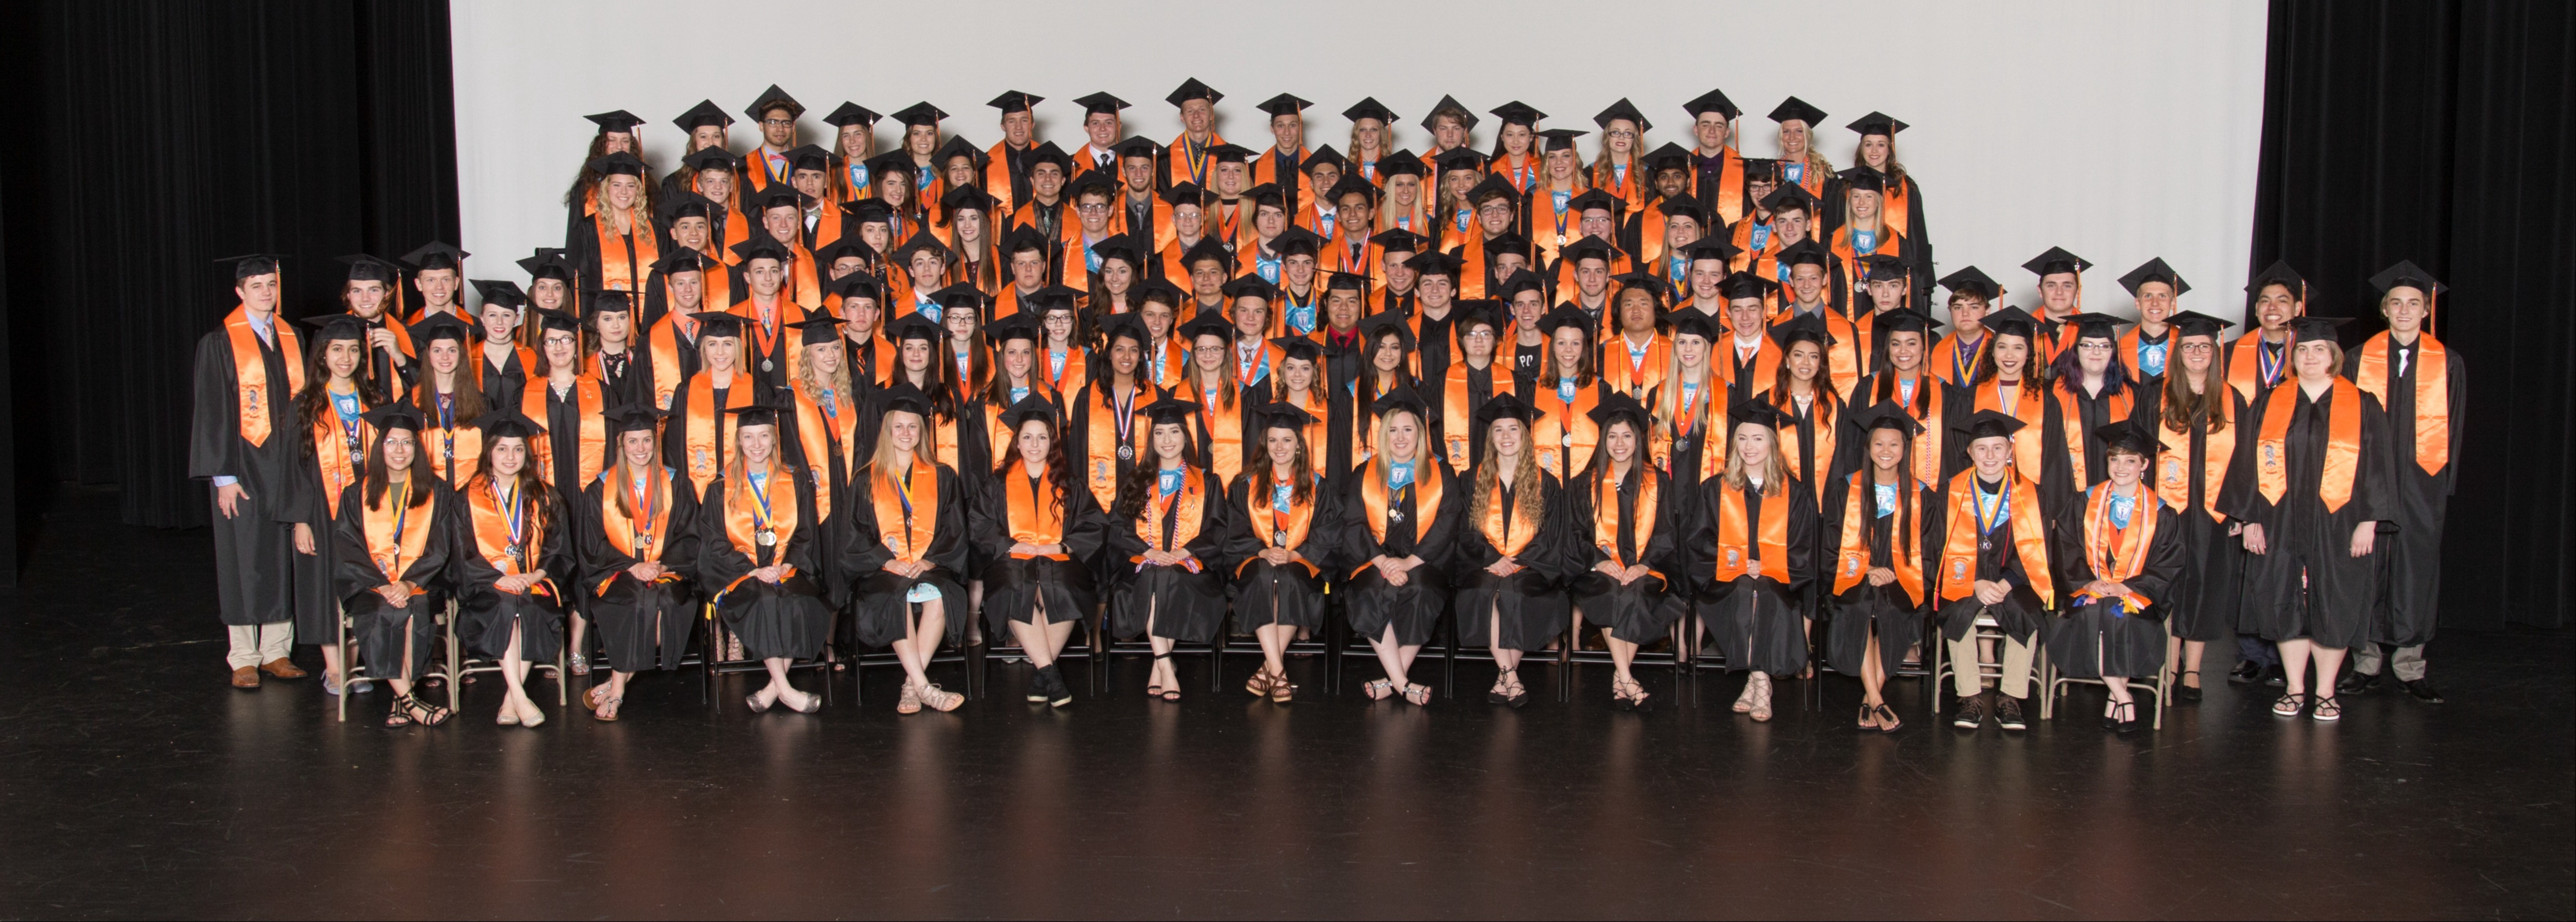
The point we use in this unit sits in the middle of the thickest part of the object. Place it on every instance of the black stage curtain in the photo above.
(2439, 132)
(173, 133)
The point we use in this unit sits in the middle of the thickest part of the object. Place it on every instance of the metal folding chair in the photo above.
(1984, 629)
(713, 662)
(2155, 687)
(1007, 649)
(459, 666)
(1571, 653)
(351, 669)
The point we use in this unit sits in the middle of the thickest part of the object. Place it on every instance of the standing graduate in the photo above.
(2005, 384)
(1284, 540)
(1860, 231)
(2259, 361)
(437, 270)
(1810, 440)
(1165, 536)
(2424, 388)
(775, 113)
(1717, 170)
(1470, 384)
(1565, 393)
(448, 400)
(370, 295)
(570, 405)
(2197, 422)
(1401, 512)
(1882, 522)
(1955, 358)
(1102, 434)
(698, 437)
(1627, 513)
(2309, 488)
(512, 562)
(827, 435)
(393, 546)
(1511, 555)
(1748, 361)
(854, 141)
(706, 125)
(1752, 548)
(2088, 388)
(672, 338)
(2061, 298)
(1047, 528)
(1300, 383)
(617, 360)
(1006, 174)
(761, 558)
(1900, 198)
(334, 438)
(2147, 348)
(501, 364)
(2118, 552)
(1994, 563)
(904, 549)
(638, 547)
(242, 440)
(1186, 159)
(617, 135)
(614, 248)
(1687, 405)
(1904, 335)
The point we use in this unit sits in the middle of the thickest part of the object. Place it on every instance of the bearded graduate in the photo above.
(1282, 544)
(2423, 386)
(1401, 513)
(905, 553)
(1168, 530)
(2310, 485)
(393, 545)
(1033, 508)
(448, 401)
(762, 558)
(513, 563)
(2119, 549)
(1753, 541)
(1994, 563)
(334, 438)
(638, 547)
(1627, 513)
(1882, 522)
(1511, 553)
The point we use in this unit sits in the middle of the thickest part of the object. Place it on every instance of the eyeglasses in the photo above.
(1092, 206)
(1618, 134)
(778, 122)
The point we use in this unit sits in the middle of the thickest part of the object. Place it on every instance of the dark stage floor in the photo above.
(133, 783)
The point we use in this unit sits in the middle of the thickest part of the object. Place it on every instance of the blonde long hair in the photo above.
(1775, 471)
(1526, 489)
(1668, 396)
(883, 459)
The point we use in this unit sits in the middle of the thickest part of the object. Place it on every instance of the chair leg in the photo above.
(340, 619)
(975, 664)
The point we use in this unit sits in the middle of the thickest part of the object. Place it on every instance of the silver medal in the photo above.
(765, 365)
(1126, 452)
(766, 537)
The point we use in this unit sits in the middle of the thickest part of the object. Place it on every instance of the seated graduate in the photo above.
(2119, 548)
(1755, 539)
(510, 533)
(1881, 521)
(905, 551)
(1994, 561)
(1628, 512)
(1510, 560)
(1285, 539)
(761, 557)
(1047, 529)
(394, 543)
(638, 547)
(1164, 540)
(1400, 511)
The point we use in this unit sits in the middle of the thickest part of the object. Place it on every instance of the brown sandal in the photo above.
(1281, 690)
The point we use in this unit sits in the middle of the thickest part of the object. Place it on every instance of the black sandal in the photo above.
(1887, 722)
(1168, 694)
(2186, 693)
(1515, 694)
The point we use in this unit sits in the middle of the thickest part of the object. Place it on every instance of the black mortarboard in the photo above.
(1712, 101)
(2011, 321)
(1091, 183)
(1973, 281)
(1209, 323)
(1323, 155)
(1755, 411)
(1399, 240)
(1670, 156)
(756, 414)
(1369, 107)
(1694, 323)
(1808, 327)
(1032, 407)
(1989, 424)
(712, 158)
(1877, 123)
(1100, 103)
(2154, 270)
(894, 163)
(506, 422)
(2406, 273)
(776, 195)
(554, 320)
(919, 242)
(1590, 247)
(440, 326)
(1450, 106)
(1047, 152)
(1863, 179)
(966, 198)
(251, 264)
(920, 113)
(1250, 286)
(914, 326)
(1186, 193)
(434, 255)
(761, 246)
(1788, 197)
(686, 204)
(1025, 239)
(1683, 205)
(1887, 414)
(849, 114)
(365, 268)
(1507, 242)
(1346, 281)
(335, 326)
(1806, 252)
(1623, 109)
(2195, 323)
(706, 112)
(1505, 405)
(903, 397)
(1376, 326)
(1192, 89)
(817, 328)
(962, 296)
(1595, 198)
(1127, 326)
(854, 285)
(1519, 281)
(1478, 312)
(548, 263)
(1882, 267)
(2311, 326)
(1618, 405)
(1283, 104)
(1141, 148)
(1299, 348)
(1556, 139)
(1208, 248)
(620, 120)
(1125, 248)
(1798, 109)
(2279, 273)
(955, 148)
(719, 324)
(2055, 261)
(1170, 410)
(1493, 187)
(1151, 290)
(1297, 241)
(1400, 163)
(638, 416)
(500, 291)
(850, 246)
(1281, 414)
(809, 157)
(1517, 112)
(1743, 285)
(1461, 160)
(1015, 101)
(1016, 326)
(1230, 153)
(610, 300)
(681, 260)
(1435, 263)
(397, 414)
(1761, 169)
(1403, 399)
(772, 98)
(1711, 248)
(2128, 436)
(1566, 315)
(1907, 320)
(2094, 326)
(1351, 184)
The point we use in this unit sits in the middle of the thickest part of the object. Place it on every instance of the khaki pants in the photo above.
(2016, 662)
(2408, 662)
(255, 645)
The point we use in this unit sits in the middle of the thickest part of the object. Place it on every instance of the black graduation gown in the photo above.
(2410, 520)
(1888, 610)
(675, 428)
(1480, 388)
(2019, 614)
(1015, 588)
(1183, 605)
(379, 627)
(1077, 451)
(1291, 595)
(2308, 542)
(627, 385)
(2093, 639)
(253, 573)
(1414, 608)
(487, 614)
(878, 596)
(1531, 603)
(782, 619)
(1642, 611)
(503, 383)
(2057, 486)
(1821, 468)
(1758, 622)
(641, 625)
(309, 502)
(2201, 604)
(581, 248)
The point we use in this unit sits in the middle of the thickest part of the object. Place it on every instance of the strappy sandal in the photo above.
(1515, 695)
(2126, 717)
(1868, 718)
(399, 716)
(1887, 722)
(1744, 699)
(1619, 700)
(597, 693)
(1281, 690)
(1761, 712)
(1638, 696)
(1172, 693)
(932, 696)
(910, 702)
(1378, 689)
(2290, 704)
(1260, 683)
(1417, 694)
(2328, 710)
(1501, 692)
(606, 710)
(580, 664)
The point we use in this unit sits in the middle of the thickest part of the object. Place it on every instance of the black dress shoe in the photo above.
(2357, 683)
(2423, 690)
(2245, 673)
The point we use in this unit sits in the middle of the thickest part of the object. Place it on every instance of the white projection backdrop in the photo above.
(2119, 131)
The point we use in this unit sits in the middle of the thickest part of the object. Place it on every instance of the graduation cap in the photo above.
(1973, 281)
(1297, 241)
(1517, 112)
(1505, 405)
(1450, 106)
(809, 157)
(505, 423)
(1435, 263)
(1494, 187)
(1590, 247)
(1141, 148)
(1192, 89)
(681, 260)
(1595, 198)
(1035, 406)
(1557, 139)
(1684, 206)
(854, 285)
(777, 195)
(1025, 239)
(550, 321)
(1281, 414)
(1123, 326)
(2310, 326)
(607, 300)
(1508, 242)
(1047, 152)
(1797, 109)
(773, 98)
(1095, 182)
(1015, 326)
(1352, 184)
(335, 326)
(1618, 405)
(1877, 123)
(1566, 315)
(633, 417)
(250, 264)
(920, 242)
(440, 326)
(548, 263)
(1805, 252)
(2128, 436)
(1741, 286)
(1623, 109)
(2154, 270)
(2195, 323)
(1100, 104)
(1790, 197)
(705, 113)
(620, 120)
(1152, 290)
(2056, 261)
(1346, 281)
(958, 147)
(1761, 169)
(1655, 287)
(920, 113)
(1400, 163)
(1886, 414)
(892, 163)
(2094, 326)
(1461, 160)
(712, 158)
(1519, 281)
(1229, 153)
(1015, 101)
(850, 246)
(1401, 399)
(1399, 240)
(2012, 321)
(1863, 179)
(914, 326)
(1755, 411)
(1807, 327)
(1299, 348)
(1187, 193)
(1376, 327)
(397, 414)
(761, 246)
(1881, 267)
(849, 114)
(1671, 156)
(1282, 104)
(432, 255)
(2279, 273)
(1694, 323)
(1712, 101)
(1907, 320)
(719, 324)
(1250, 286)
(1711, 248)
(755, 414)
(1208, 248)
(365, 268)
(1323, 155)
(817, 328)
(500, 291)
(1478, 312)
(959, 297)
(2408, 274)
(1170, 411)
(1989, 424)
(686, 204)
(1209, 323)
(903, 397)
(1369, 107)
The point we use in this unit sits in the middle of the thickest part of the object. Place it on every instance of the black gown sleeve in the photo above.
(948, 534)
(2240, 498)
(1802, 537)
(214, 437)
(357, 569)
(1214, 521)
(719, 562)
(1662, 549)
(1439, 544)
(1086, 528)
(1238, 544)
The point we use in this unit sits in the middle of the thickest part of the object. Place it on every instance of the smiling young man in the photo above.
(2423, 386)
(1006, 173)
(776, 112)
(242, 441)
